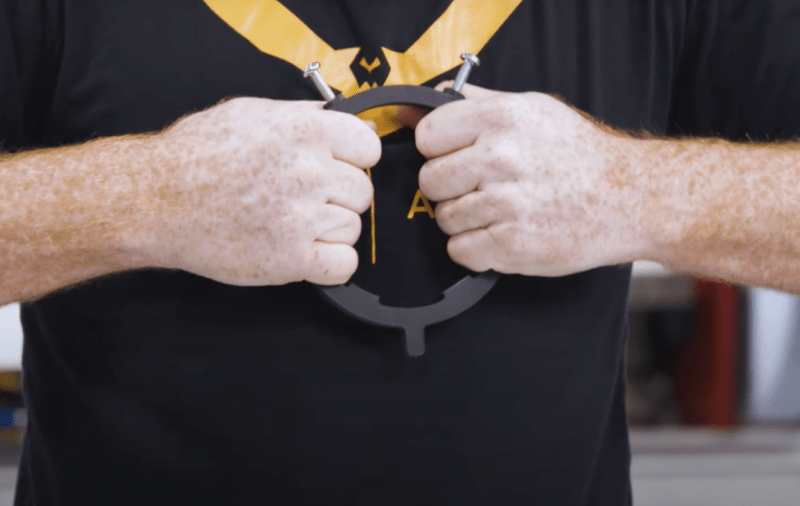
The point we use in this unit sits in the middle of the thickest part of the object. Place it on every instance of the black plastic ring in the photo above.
(365, 306)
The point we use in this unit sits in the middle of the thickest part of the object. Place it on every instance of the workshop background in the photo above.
(713, 393)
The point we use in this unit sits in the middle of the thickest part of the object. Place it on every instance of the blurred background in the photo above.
(713, 393)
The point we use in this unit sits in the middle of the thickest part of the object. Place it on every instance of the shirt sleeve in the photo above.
(739, 75)
(29, 54)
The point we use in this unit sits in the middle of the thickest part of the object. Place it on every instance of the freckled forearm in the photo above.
(72, 214)
(723, 210)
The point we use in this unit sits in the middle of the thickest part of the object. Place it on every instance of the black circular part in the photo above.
(365, 306)
(420, 96)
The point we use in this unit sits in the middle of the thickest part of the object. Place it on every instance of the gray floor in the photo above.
(679, 467)
(752, 467)
(8, 478)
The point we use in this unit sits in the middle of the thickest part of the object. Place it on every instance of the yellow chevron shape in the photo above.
(370, 66)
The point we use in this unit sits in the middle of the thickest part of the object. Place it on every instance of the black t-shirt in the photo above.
(161, 387)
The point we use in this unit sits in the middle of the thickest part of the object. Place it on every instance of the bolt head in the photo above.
(472, 59)
(311, 69)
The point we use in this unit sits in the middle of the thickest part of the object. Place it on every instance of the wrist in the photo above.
(629, 178)
(674, 193)
(149, 205)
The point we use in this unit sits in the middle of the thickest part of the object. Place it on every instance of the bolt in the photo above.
(470, 60)
(312, 71)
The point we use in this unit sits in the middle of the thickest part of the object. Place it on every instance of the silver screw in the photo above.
(470, 60)
(312, 71)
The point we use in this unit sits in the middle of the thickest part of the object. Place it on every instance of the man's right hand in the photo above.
(263, 192)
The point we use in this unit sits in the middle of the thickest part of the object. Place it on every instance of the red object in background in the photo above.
(706, 376)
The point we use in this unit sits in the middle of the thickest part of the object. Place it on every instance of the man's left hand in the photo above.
(527, 185)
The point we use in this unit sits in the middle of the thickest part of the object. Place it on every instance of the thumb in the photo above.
(470, 91)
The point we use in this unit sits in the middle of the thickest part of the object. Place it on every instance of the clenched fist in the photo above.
(527, 185)
(265, 192)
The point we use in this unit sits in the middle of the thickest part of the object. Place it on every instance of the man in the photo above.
(175, 348)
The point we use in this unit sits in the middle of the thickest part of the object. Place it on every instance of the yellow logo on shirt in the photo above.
(370, 66)
(466, 26)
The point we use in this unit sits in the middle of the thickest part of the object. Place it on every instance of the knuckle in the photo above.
(508, 239)
(361, 140)
(365, 204)
(496, 113)
(366, 193)
(299, 214)
(444, 217)
(508, 151)
(305, 129)
(500, 112)
(488, 205)
(308, 176)
(422, 136)
(505, 207)
(306, 262)
(504, 157)
(330, 264)
(374, 149)
(353, 229)
(456, 251)
(357, 186)
(459, 250)
(344, 267)
(445, 211)
(499, 203)
(429, 179)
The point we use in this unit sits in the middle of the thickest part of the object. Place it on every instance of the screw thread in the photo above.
(462, 76)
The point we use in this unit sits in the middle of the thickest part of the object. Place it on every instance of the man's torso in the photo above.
(163, 386)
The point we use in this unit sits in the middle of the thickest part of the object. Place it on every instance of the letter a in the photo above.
(420, 205)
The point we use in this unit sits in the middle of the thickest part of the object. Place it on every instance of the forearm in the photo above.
(724, 210)
(72, 214)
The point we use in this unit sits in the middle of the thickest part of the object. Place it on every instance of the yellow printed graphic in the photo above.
(372, 219)
(420, 205)
(275, 30)
(466, 26)
(370, 66)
